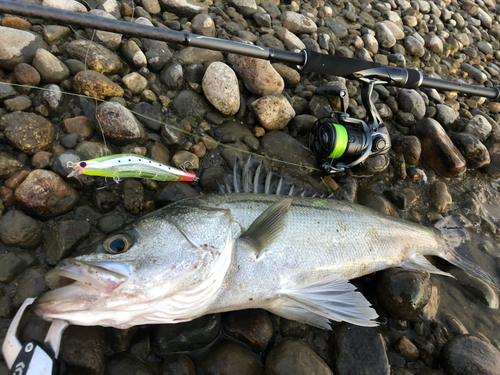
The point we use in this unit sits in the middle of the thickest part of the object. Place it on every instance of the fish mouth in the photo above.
(76, 284)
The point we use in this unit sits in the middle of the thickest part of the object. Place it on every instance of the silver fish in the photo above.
(293, 256)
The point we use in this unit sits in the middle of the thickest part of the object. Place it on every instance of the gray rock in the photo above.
(413, 46)
(469, 355)
(384, 35)
(440, 196)
(370, 43)
(475, 153)
(446, 115)
(298, 23)
(189, 104)
(479, 127)
(273, 111)
(220, 86)
(106, 38)
(174, 192)
(281, 146)
(6, 92)
(198, 333)
(258, 75)
(262, 19)
(177, 364)
(337, 27)
(31, 284)
(71, 5)
(411, 101)
(228, 357)
(203, 24)
(158, 57)
(252, 327)
(28, 132)
(191, 55)
(359, 350)
(474, 72)
(295, 357)
(119, 124)
(110, 223)
(134, 55)
(409, 146)
(18, 46)
(173, 77)
(97, 57)
(434, 43)
(13, 264)
(84, 349)
(54, 98)
(290, 75)
(290, 40)
(20, 230)
(485, 47)
(135, 82)
(63, 238)
(184, 8)
(104, 201)
(245, 7)
(303, 124)
(50, 67)
(126, 363)
(396, 30)
(148, 115)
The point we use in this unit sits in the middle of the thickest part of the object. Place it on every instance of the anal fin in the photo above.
(418, 262)
(331, 298)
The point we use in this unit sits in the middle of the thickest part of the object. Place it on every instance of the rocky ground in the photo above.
(201, 109)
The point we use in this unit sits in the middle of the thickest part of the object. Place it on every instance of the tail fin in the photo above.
(452, 228)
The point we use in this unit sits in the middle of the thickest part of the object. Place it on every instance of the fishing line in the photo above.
(194, 135)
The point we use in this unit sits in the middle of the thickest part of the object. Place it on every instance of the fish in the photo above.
(293, 256)
(128, 165)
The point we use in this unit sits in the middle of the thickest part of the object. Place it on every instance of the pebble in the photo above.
(446, 115)
(406, 349)
(148, 115)
(84, 349)
(133, 196)
(15, 263)
(80, 125)
(284, 147)
(135, 82)
(191, 55)
(118, 124)
(298, 23)
(274, 112)
(290, 40)
(359, 350)
(467, 355)
(455, 326)
(437, 148)
(174, 192)
(220, 86)
(378, 202)
(54, 34)
(109, 223)
(185, 159)
(16, 23)
(184, 8)
(198, 333)
(441, 198)
(190, 104)
(18, 46)
(403, 293)
(203, 24)
(46, 194)
(19, 230)
(252, 327)
(475, 153)
(28, 132)
(31, 284)
(51, 69)
(479, 127)
(228, 357)
(71, 5)
(19, 103)
(107, 39)
(126, 363)
(96, 56)
(258, 75)
(95, 85)
(134, 55)
(411, 101)
(26, 75)
(63, 238)
(177, 364)
(8, 165)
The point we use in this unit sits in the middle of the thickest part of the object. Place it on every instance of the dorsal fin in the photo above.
(267, 226)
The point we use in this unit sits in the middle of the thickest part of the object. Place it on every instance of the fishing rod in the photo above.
(340, 141)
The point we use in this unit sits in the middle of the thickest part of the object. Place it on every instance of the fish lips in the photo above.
(76, 284)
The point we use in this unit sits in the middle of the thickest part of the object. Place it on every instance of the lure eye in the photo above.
(119, 243)
(82, 164)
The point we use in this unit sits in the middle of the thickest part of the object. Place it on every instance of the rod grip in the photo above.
(335, 65)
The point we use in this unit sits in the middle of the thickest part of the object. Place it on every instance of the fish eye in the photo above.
(119, 243)
(83, 164)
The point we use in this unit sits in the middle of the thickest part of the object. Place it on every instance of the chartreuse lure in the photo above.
(129, 165)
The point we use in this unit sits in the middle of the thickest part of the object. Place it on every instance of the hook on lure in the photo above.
(129, 165)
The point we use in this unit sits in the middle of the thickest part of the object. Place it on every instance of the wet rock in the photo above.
(26, 75)
(483, 291)
(455, 326)
(378, 202)
(298, 23)
(96, 85)
(437, 148)
(220, 86)
(184, 8)
(107, 39)
(97, 57)
(441, 198)
(151, 117)
(406, 349)
(46, 194)
(479, 127)
(446, 115)
(80, 125)
(63, 238)
(359, 350)
(252, 327)
(50, 67)
(71, 5)
(109, 223)
(104, 201)
(18, 46)
(258, 75)
(19, 230)
(293, 329)
(190, 104)
(31, 284)
(84, 349)
(141, 344)
(469, 355)
(14, 263)
(177, 364)
(283, 147)
(19, 103)
(203, 24)
(403, 293)
(274, 112)
(174, 192)
(192, 55)
(400, 166)
(411, 101)
(171, 338)
(117, 123)
(27, 131)
(126, 363)
(430, 310)
(295, 357)
(374, 164)
(227, 357)
(8, 165)
(133, 196)
(475, 153)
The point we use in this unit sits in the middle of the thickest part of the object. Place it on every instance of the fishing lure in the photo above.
(129, 165)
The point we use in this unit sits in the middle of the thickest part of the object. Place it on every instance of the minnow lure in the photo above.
(128, 165)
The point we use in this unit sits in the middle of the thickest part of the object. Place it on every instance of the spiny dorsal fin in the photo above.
(267, 226)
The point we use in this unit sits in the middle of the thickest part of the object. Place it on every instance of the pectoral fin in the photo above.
(267, 226)
(419, 263)
(331, 298)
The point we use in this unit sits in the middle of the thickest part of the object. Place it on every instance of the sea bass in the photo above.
(293, 256)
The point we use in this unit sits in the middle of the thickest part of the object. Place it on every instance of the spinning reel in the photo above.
(341, 141)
